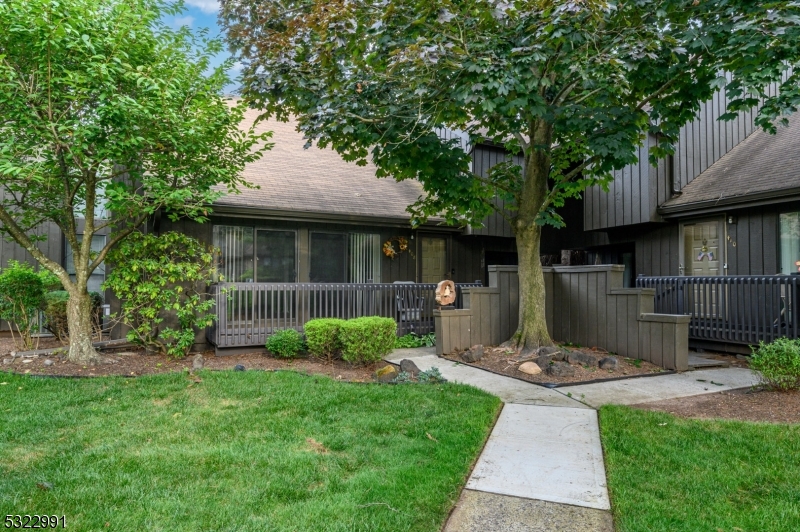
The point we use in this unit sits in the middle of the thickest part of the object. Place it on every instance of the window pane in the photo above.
(328, 258)
(275, 257)
(365, 258)
(790, 241)
(99, 275)
(234, 247)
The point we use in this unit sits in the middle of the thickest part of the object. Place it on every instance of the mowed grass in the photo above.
(671, 474)
(238, 451)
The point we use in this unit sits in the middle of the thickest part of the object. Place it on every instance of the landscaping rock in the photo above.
(531, 368)
(198, 362)
(544, 361)
(48, 362)
(238, 367)
(559, 369)
(27, 360)
(386, 374)
(609, 363)
(549, 350)
(409, 367)
(579, 357)
(473, 354)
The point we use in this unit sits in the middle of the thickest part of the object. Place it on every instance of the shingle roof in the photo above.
(760, 166)
(316, 180)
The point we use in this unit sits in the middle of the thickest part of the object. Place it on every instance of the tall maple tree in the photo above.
(574, 86)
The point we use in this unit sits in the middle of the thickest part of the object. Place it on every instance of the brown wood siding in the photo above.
(638, 189)
(53, 247)
(757, 249)
(483, 158)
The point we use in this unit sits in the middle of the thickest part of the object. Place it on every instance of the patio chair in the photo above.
(409, 308)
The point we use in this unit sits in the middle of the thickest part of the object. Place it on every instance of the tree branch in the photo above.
(11, 226)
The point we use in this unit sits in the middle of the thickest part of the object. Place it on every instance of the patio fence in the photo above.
(741, 309)
(247, 313)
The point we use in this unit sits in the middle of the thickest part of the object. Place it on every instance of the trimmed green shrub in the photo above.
(779, 364)
(285, 343)
(322, 337)
(21, 298)
(367, 339)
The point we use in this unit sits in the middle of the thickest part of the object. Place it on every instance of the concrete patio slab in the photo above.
(647, 389)
(477, 511)
(545, 453)
(507, 389)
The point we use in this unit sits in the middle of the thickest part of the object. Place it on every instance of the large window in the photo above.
(276, 256)
(328, 258)
(99, 275)
(790, 241)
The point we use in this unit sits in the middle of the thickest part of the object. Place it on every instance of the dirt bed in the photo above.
(134, 363)
(507, 362)
(742, 405)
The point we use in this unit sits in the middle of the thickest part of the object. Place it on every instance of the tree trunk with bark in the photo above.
(79, 321)
(532, 330)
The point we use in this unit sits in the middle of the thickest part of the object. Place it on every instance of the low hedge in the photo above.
(285, 343)
(779, 364)
(322, 337)
(367, 339)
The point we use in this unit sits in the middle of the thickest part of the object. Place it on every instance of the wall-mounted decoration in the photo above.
(391, 251)
(705, 253)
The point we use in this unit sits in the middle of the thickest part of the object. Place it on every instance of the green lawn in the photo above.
(238, 451)
(671, 474)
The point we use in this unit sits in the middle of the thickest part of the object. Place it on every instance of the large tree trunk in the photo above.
(79, 321)
(532, 332)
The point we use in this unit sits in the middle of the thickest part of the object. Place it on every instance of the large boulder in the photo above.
(409, 367)
(581, 358)
(473, 354)
(610, 363)
(530, 368)
(559, 369)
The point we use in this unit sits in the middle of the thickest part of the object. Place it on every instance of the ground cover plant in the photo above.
(411, 340)
(252, 451)
(666, 473)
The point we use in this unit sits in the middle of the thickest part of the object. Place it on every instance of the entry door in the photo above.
(702, 254)
(434, 259)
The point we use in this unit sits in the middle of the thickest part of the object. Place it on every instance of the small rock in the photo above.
(531, 368)
(238, 367)
(27, 360)
(609, 363)
(386, 374)
(48, 362)
(544, 361)
(8, 361)
(474, 354)
(579, 357)
(409, 367)
(559, 369)
(198, 361)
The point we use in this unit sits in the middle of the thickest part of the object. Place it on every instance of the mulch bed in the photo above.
(741, 405)
(134, 363)
(505, 362)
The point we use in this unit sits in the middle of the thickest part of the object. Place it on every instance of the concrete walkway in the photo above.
(542, 467)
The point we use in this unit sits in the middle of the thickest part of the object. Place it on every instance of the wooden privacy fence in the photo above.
(740, 309)
(247, 313)
(586, 305)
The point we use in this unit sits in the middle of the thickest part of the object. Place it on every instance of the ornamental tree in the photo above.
(106, 117)
(573, 85)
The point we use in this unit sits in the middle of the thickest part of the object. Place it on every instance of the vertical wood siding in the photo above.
(483, 158)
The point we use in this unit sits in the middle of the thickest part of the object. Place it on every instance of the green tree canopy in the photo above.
(575, 86)
(106, 117)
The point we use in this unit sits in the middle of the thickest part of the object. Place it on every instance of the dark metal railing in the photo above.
(741, 309)
(247, 313)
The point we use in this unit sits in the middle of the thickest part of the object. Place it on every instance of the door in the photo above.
(434, 259)
(702, 257)
(701, 252)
